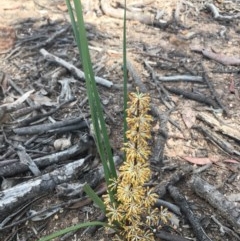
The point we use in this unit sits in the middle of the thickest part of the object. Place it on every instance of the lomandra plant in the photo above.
(128, 204)
(134, 215)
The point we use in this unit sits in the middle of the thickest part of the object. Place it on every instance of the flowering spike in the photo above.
(134, 211)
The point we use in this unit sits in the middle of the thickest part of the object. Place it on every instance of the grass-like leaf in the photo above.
(72, 228)
(100, 130)
(125, 79)
(90, 192)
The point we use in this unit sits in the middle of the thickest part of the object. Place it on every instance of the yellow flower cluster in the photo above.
(133, 211)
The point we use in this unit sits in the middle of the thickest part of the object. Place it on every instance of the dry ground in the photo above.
(26, 24)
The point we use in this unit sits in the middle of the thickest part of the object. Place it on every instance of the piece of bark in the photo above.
(17, 167)
(144, 18)
(14, 197)
(25, 159)
(217, 139)
(220, 58)
(230, 131)
(227, 209)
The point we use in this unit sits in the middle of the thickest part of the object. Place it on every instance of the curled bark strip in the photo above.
(220, 58)
(142, 18)
(223, 59)
(218, 16)
(226, 208)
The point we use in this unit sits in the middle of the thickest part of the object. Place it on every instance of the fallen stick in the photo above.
(17, 167)
(74, 70)
(187, 78)
(226, 208)
(14, 197)
(42, 128)
(187, 211)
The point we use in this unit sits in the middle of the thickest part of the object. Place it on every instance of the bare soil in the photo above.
(153, 52)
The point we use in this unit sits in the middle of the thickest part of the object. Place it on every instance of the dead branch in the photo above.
(42, 128)
(187, 211)
(14, 197)
(227, 209)
(16, 167)
(193, 96)
(74, 70)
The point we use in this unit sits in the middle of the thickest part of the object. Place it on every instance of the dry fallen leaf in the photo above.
(189, 116)
(201, 160)
(40, 99)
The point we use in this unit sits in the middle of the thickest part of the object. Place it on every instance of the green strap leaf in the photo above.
(72, 228)
(96, 199)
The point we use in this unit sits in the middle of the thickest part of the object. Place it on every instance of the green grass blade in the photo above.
(101, 137)
(125, 80)
(90, 192)
(72, 228)
(95, 106)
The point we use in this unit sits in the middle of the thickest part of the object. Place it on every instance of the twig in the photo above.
(174, 208)
(50, 39)
(26, 122)
(218, 16)
(136, 77)
(192, 96)
(212, 90)
(74, 70)
(169, 237)
(36, 129)
(17, 167)
(224, 229)
(186, 78)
